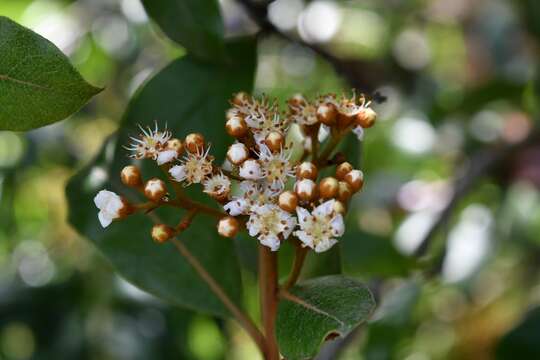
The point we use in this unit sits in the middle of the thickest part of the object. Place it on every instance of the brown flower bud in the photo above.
(274, 140)
(131, 176)
(236, 126)
(355, 179)
(328, 187)
(306, 189)
(155, 189)
(237, 153)
(241, 98)
(161, 233)
(228, 226)
(366, 118)
(194, 143)
(342, 170)
(344, 192)
(326, 113)
(175, 144)
(288, 201)
(344, 120)
(339, 207)
(306, 170)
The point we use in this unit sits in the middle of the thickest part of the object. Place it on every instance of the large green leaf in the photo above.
(319, 308)
(189, 96)
(194, 24)
(38, 85)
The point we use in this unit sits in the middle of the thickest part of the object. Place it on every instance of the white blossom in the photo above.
(270, 225)
(110, 205)
(250, 170)
(275, 167)
(166, 156)
(359, 132)
(194, 167)
(251, 193)
(319, 228)
(149, 143)
(217, 186)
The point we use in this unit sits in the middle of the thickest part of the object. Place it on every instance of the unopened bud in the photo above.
(228, 227)
(194, 143)
(339, 208)
(240, 98)
(274, 140)
(306, 189)
(131, 176)
(342, 170)
(306, 170)
(237, 153)
(288, 201)
(236, 126)
(326, 113)
(355, 179)
(251, 170)
(366, 118)
(175, 144)
(344, 192)
(155, 189)
(344, 120)
(328, 187)
(161, 233)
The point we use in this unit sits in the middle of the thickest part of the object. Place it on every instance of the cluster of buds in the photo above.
(259, 186)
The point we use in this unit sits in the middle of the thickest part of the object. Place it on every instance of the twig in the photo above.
(268, 283)
(300, 256)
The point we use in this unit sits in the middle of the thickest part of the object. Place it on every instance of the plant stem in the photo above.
(300, 256)
(268, 283)
(242, 318)
(323, 158)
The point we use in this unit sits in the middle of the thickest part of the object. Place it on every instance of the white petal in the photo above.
(324, 131)
(166, 156)
(178, 172)
(270, 241)
(236, 207)
(304, 238)
(359, 132)
(338, 226)
(325, 209)
(104, 219)
(303, 216)
(103, 197)
(325, 245)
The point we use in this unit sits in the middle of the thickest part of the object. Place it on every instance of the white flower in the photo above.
(275, 168)
(270, 225)
(217, 186)
(251, 170)
(352, 106)
(251, 193)
(359, 132)
(110, 206)
(319, 228)
(194, 168)
(303, 112)
(149, 143)
(166, 156)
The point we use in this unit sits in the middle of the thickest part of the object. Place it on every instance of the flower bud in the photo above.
(344, 120)
(296, 100)
(236, 126)
(328, 187)
(326, 113)
(274, 140)
(194, 143)
(344, 192)
(228, 227)
(342, 170)
(131, 176)
(237, 153)
(366, 118)
(339, 208)
(155, 189)
(288, 201)
(306, 170)
(306, 189)
(251, 170)
(175, 144)
(355, 179)
(241, 98)
(218, 187)
(162, 233)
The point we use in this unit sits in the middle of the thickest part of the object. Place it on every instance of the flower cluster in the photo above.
(261, 186)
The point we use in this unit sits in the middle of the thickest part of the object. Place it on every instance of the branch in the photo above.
(268, 283)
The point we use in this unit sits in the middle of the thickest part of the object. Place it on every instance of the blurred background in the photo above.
(460, 80)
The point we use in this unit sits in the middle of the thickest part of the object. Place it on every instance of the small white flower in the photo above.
(166, 156)
(110, 205)
(352, 106)
(251, 170)
(275, 168)
(251, 193)
(270, 225)
(319, 228)
(149, 143)
(303, 112)
(359, 132)
(194, 167)
(217, 186)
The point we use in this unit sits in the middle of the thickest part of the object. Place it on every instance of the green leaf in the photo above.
(320, 308)
(194, 24)
(38, 85)
(189, 96)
